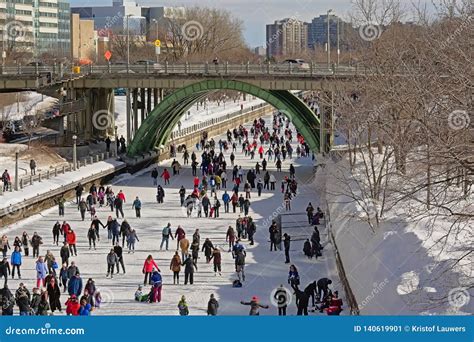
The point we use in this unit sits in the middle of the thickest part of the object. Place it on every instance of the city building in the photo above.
(142, 20)
(38, 27)
(318, 31)
(83, 42)
(287, 37)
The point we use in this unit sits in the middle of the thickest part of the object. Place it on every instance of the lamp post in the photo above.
(128, 42)
(329, 40)
(74, 152)
(156, 37)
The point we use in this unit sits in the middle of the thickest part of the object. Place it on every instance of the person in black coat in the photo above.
(56, 233)
(212, 306)
(5, 270)
(7, 301)
(65, 254)
(323, 287)
(54, 295)
(189, 266)
(286, 244)
(207, 248)
(302, 300)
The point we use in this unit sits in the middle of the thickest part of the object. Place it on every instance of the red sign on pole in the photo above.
(107, 55)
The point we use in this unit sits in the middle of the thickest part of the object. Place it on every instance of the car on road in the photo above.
(292, 64)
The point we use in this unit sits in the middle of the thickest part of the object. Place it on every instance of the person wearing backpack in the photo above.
(166, 234)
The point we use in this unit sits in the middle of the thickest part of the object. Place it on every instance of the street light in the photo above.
(329, 40)
(128, 42)
(74, 152)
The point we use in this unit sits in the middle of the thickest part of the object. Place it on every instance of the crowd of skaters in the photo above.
(260, 141)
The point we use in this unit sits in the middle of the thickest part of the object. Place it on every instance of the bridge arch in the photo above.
(157, 127)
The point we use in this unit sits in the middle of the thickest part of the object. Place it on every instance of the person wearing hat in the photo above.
(254, 306)
(139, 295)
(72, 306)
(183, 307)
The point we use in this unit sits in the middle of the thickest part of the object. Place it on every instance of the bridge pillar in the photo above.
(326, 130)
(128, 113)
(142, 104)
(155, 97)
(148, 101)
(135, 112)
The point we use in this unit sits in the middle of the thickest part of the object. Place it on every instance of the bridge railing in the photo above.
(42, 175)
(312, 69)
(208, 123)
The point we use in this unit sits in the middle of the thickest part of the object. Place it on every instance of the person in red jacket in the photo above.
(260, 152)
(179, 235)
(65, 228)
(196, 182)
(121, 195)
(335, 305)
(72, 306)
(148, 268)
(166, 176)
(71, 240)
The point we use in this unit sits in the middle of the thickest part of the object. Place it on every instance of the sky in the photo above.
(254, 13)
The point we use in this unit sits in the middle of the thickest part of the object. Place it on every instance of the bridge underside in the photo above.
(156, 129)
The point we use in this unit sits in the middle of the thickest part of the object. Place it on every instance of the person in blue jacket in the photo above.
(85, 309)
(226, 200)
(137, 205)
(115, 228)
(75, 285)
(16, 262)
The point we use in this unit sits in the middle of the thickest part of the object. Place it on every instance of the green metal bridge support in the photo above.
(157, 127)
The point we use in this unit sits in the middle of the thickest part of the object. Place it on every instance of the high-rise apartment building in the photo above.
(288, 37)
(35, 26)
